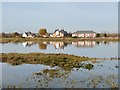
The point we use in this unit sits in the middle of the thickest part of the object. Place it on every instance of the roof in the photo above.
(29, 33)
(77, 32)
(56, 30)
(36, 34)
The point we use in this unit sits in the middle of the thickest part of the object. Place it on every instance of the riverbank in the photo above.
(67, 39)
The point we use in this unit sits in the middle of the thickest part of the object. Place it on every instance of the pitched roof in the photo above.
(56, 30)
(29, 33)
(77, 32)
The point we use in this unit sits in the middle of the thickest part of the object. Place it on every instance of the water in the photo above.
(103, 74)
(24, 76)
(81, 48)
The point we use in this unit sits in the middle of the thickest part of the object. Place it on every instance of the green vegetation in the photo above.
(10, 35)
(64, 61)
(105, 35)
(97, 35)
(58, 72)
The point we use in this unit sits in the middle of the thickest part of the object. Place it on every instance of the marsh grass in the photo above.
(64, 61)
(68, 39)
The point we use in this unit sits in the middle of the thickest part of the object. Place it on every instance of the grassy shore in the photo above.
(5, 40)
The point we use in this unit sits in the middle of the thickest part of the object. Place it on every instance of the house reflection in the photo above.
(84, 43)
(61, 45)
(58, 45)
(27, 44)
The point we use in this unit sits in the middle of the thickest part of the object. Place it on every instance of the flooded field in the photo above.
(87, 74)
(103, 74)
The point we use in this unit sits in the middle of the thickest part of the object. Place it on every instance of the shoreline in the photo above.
(66, 39)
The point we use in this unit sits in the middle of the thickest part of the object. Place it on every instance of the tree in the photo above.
(2, 35)
(42, 31)
(97, 35)
(15, 34)
(105, 35)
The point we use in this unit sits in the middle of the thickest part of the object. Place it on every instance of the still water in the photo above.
(41, 76)
(103, 74)
(81, 48)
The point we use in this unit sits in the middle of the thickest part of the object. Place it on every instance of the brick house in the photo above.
(84, 34)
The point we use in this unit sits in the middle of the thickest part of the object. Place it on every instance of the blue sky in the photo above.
(97, 16)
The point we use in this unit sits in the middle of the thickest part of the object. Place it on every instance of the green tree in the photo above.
(97, 35)
(105, 35)
(42, 31)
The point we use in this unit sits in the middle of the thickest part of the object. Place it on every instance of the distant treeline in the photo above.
(19, 35)
(10, 35)
(107, 35)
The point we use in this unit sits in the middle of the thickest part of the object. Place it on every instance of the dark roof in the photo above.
(56, 30)
(64, 32)
(83, 32)
(29, 33)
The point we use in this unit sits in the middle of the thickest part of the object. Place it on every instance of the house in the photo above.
(28, 34)
(59, 33)
(84, 34)
(36, 35)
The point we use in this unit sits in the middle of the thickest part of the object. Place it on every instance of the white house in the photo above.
(28, 34)
(24, 35)
(59, 33)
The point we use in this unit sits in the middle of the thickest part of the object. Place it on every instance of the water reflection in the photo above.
(27, 44)
(81, 48)
(62, 45)
(42, 45)
(84, 43)
(59, 45)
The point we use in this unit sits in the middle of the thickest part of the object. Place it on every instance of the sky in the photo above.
(72, 16)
